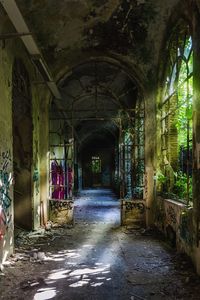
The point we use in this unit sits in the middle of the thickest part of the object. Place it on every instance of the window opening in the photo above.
(176, 118)
(96, 164)
(131, 153)
(61, 163)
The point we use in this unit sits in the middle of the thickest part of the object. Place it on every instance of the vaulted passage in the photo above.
(102, 119)
(99, 149)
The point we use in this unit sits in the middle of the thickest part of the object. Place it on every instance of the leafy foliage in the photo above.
(180, 186)
(179, 83)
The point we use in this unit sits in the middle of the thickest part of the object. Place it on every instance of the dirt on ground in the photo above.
(97, 259)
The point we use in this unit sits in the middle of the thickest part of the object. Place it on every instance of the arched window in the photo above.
(176, 116)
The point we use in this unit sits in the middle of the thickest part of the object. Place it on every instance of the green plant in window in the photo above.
(178, 106)
(161, 178)
(180, 186)
(96, 165)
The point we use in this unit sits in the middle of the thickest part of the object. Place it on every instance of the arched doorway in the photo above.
(97, 158)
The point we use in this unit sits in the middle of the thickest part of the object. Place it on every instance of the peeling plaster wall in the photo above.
(175, 220)
(6, 168)
(150, 154)
(43, 127)
(129, 30)
(40, 107)
(10, 50)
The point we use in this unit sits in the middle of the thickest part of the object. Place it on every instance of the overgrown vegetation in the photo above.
(179, 86)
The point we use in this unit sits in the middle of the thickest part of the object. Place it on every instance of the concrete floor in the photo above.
(98, 260)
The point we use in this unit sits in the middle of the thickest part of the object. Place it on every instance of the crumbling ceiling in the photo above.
(93, 96)
(72, 32)
(68, 31)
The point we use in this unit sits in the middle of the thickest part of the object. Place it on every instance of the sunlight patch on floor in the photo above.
(45, 294)
(87, 266)
(58, 275)
(88, 271)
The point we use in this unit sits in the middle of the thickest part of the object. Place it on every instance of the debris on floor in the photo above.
(97, 259)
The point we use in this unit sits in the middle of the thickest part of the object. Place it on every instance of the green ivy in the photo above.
(161, 177)
(180, 186)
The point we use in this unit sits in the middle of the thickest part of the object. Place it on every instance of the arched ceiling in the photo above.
(68, 31)
(98, 86)
(93, 96)
(99, 135)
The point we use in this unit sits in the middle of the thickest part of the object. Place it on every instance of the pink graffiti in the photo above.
(2, 224)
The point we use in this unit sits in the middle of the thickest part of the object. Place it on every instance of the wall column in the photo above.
(43, 154)
(150, 154)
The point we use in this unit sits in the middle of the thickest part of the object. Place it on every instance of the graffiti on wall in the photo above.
(59, 205)
(160, 216)
(61, 211)
(131, 205)
(5, 199)
(186, 227)
(5, 160)
(171, 215)
(133, 211)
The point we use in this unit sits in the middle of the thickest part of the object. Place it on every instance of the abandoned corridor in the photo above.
(99, 149)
